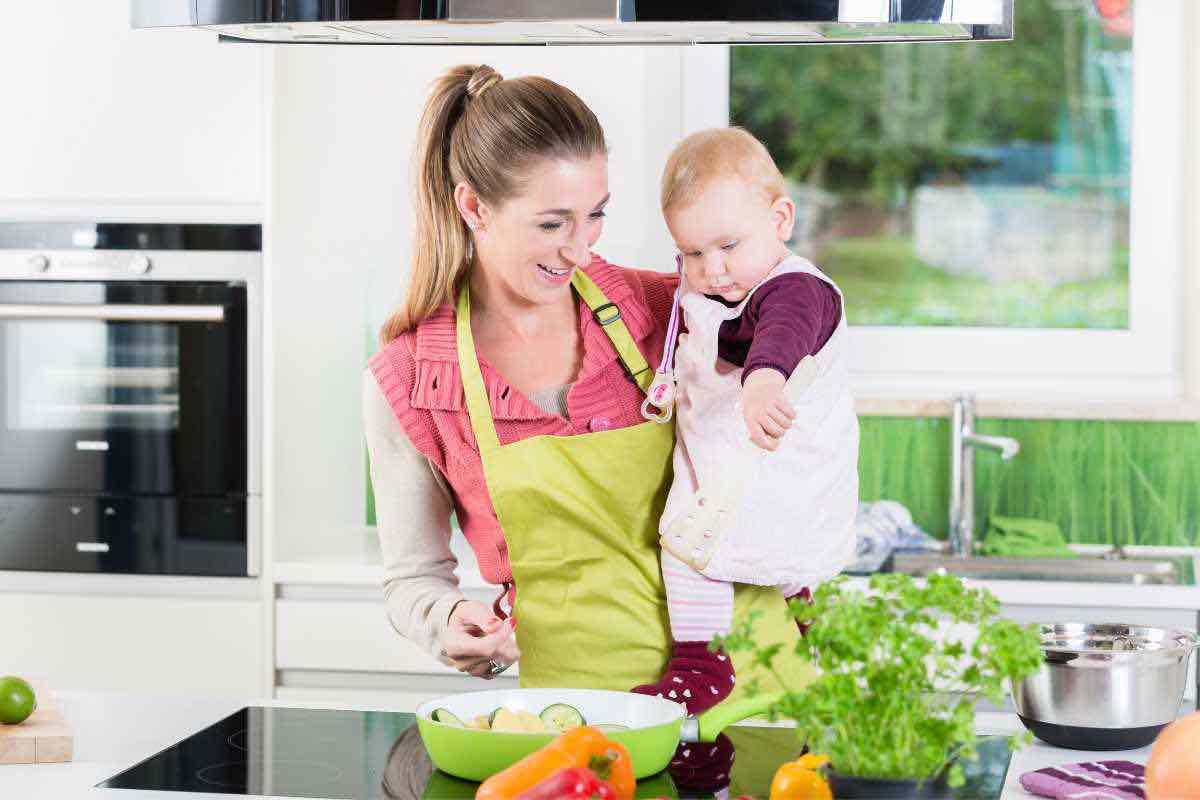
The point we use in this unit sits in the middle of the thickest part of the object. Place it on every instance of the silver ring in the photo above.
(495, 668)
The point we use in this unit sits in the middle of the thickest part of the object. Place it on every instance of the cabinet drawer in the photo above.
(140, 643)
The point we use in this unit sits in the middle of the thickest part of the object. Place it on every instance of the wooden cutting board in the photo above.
(44, 738)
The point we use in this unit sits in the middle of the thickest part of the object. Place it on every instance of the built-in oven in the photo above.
(129, 421)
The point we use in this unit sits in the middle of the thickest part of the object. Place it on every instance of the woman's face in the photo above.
(529, 246)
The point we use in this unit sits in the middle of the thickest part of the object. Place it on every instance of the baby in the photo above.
(766, 451)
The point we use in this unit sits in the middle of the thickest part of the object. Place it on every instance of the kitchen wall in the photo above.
(133, 123)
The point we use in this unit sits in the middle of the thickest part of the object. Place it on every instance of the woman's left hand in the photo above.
(475, 640)
(767, 412)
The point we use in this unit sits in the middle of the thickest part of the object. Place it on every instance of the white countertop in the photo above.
(355, 560)
(114, 730)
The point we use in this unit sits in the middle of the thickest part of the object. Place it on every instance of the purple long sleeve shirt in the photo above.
(788, 317)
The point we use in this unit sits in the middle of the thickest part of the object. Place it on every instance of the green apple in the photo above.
(17, 700)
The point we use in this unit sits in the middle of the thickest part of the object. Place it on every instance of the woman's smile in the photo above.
(555, 276)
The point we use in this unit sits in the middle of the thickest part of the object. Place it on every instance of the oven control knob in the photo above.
(39, 263)
(139, 265)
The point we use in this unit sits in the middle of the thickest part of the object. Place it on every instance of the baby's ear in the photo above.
(783, 216)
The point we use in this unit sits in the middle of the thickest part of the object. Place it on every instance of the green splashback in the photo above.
(1102, 482)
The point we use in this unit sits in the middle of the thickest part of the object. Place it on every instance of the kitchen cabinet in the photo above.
(99, 114)
(204, 644)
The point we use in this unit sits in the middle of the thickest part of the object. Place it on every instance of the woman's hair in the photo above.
(479, 128)
(716, 153)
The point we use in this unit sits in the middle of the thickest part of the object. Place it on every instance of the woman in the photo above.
(508, 390)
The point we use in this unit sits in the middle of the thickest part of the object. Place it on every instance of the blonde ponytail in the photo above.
(479, 128)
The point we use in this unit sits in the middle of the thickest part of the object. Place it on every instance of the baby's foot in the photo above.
(695, 677)
(702, 767)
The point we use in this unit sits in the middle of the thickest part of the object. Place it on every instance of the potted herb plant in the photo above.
(893, 704)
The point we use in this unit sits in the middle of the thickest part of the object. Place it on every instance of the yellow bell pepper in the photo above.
(799, 780)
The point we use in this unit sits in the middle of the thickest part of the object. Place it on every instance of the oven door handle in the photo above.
(114, 313)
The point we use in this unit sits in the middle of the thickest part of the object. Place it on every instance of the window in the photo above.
(1002, 217)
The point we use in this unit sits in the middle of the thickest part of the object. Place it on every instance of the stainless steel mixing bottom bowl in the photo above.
(1105, 687)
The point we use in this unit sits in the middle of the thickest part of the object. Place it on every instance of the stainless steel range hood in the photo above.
(584, 22)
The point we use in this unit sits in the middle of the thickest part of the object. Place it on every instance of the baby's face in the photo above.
(730, 237)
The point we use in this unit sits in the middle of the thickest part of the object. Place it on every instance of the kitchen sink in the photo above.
(1134, 571)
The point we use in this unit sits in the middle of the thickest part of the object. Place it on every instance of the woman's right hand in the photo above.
(475, 637)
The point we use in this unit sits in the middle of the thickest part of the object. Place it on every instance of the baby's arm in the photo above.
(794, 315)
(766, 411)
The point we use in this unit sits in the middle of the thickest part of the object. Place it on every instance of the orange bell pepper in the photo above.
(615, 766)
(799, 780)
(579, 747)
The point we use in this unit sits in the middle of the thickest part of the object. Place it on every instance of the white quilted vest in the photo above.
(737, 512)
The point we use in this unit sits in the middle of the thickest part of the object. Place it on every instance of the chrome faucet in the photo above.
(963, 440)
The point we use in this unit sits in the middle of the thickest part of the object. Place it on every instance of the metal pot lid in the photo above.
(1113, 638)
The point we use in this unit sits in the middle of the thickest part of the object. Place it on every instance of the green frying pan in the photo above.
(653, 727)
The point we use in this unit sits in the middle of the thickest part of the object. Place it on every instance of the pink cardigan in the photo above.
(419, 375)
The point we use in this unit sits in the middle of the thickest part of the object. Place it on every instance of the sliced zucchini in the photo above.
(445, 717)
(560, 717)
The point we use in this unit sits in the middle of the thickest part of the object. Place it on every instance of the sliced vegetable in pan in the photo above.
(561, 717)
(555, 718)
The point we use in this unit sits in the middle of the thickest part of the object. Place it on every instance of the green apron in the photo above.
(580, 518)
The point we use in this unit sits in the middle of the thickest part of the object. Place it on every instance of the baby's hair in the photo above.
(714, 153)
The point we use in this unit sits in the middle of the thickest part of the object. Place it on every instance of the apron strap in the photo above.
(609, 317)
(478, 408)
(606, 313)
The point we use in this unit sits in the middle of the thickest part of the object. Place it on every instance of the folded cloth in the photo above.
(882, 526)
(1123, 780)
(1018, 537)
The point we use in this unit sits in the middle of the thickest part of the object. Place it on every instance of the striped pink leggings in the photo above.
(700, 607)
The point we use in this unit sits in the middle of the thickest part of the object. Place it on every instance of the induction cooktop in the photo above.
(363, 755)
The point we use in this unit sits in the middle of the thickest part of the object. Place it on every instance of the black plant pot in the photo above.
(852, 787)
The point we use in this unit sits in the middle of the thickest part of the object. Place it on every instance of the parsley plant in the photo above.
(894, 698)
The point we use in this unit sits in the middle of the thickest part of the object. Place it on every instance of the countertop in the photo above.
(355, 560)
(113, 731)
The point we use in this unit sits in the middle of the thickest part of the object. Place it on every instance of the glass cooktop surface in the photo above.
(362, 755)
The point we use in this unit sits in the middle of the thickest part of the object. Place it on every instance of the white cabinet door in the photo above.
(96, 112)
(193, 645)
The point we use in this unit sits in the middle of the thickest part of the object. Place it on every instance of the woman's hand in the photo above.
(474, 638)
(767, 412)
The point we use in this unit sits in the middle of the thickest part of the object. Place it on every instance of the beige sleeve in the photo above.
(412, 511)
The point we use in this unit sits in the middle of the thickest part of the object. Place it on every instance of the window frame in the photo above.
(1148, 363)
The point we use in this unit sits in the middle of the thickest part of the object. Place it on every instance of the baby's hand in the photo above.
(767, 412)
